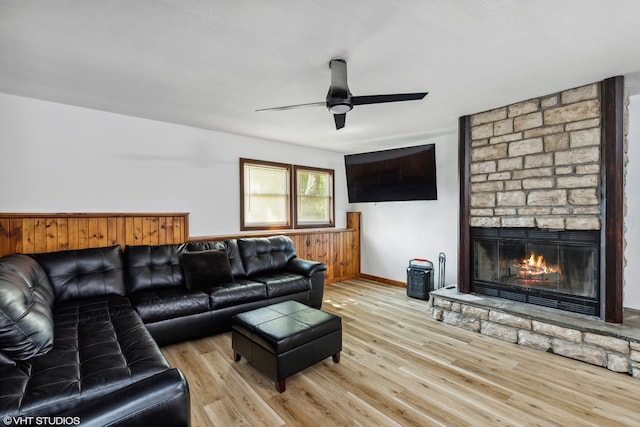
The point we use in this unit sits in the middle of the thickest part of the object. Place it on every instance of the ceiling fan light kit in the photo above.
(339, 100)
(340, 108)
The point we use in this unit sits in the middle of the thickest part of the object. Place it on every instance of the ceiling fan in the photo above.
(339, 100)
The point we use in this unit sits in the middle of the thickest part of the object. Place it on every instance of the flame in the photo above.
(536, 264)
(537, 261)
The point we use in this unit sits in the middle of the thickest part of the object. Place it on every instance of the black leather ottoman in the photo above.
(282, 339)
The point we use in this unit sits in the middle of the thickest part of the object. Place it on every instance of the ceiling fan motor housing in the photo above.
(339, 96)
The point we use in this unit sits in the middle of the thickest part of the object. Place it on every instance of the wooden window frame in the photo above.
(289, 168)
(292, 220)
(331, 222)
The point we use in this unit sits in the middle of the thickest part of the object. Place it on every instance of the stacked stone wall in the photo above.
(537, 163)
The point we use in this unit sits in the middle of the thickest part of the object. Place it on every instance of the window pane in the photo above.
(313, 210)
(268, 210)
(266, 180)
(313, 183)
(266, 195)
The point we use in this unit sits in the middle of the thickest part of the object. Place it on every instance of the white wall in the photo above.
(395, 232)
(631, 297)
(61, 158)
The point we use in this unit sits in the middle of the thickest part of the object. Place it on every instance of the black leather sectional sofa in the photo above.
(80, 330)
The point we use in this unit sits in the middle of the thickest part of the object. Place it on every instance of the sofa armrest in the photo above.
(162, 399)
(304, 267)
(315, 272)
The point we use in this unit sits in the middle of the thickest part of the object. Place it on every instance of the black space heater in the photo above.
(419, 278)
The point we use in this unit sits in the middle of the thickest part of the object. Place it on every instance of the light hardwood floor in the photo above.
(399, 367)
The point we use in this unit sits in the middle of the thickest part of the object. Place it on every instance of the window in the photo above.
(278, 196)
(265, 202)
(314, 197)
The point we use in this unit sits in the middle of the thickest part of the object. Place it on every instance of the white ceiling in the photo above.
(212, 63)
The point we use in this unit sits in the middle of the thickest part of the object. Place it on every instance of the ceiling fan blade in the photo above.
(379, 99)
(290, 107)
(340, 120)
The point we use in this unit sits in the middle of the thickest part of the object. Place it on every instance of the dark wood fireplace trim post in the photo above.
(612, 228)
(464, 172)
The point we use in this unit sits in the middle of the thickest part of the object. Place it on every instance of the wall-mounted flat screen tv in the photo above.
(400, 174)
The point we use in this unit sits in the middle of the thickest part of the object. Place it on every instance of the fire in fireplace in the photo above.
(558, 269)
(534, 271)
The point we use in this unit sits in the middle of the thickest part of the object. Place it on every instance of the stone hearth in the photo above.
(585, 338)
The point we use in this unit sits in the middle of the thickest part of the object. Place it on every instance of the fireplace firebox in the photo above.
(558, 269)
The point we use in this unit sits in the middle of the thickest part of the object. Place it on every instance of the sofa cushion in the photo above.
(266, 254)
(206, 269)
(233, 253)
(283, 283)
(238, 292)
(94, 353)
(89, 309)
(153, 267)
(26, 318)
(83, 273)
(162, 304)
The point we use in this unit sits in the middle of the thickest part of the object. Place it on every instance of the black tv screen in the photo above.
(400, 174)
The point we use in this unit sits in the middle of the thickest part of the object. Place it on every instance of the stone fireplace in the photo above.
(543, 178)
(540, 256)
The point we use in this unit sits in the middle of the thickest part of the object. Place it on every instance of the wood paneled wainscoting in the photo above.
(42, 232)
(339, 249)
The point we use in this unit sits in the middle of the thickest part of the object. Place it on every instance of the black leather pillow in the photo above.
(206, 269)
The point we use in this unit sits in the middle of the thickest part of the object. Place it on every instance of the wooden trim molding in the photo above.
(612, 149)
(464, 243)
(383, 280)
(353, 223)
